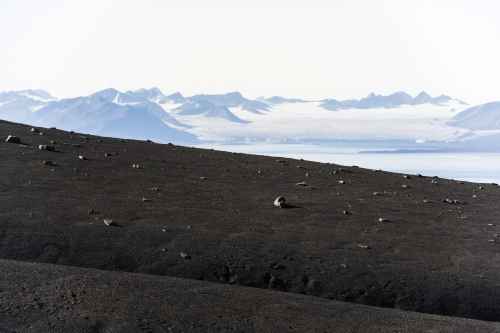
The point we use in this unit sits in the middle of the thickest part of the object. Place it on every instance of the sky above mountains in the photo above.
(308, 50)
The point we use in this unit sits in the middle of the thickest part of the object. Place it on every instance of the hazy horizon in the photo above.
(313, 51)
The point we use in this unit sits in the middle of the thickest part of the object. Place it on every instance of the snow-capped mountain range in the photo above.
(150, 114)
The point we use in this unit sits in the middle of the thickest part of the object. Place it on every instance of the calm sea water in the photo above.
(473, 167)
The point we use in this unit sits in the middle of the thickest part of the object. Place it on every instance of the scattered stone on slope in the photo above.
(136, 166)
(147, 200)
(109, 222)
(302, 184)
(279, 202)
(185, 255)
(82, 157)
(34, 130)
(13, 139)
(46, 147)
(383, 219)
(454, 201)
(49, 163)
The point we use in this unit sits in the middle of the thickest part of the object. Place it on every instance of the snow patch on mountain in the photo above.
(481, 117)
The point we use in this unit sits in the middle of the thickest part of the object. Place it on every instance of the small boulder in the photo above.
(279, 202)
(185, 255)
(46, 147)
(49, 163)
(35, 130)
(13, 139)
(109, 222)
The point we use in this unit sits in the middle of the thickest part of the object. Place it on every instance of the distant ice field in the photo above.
(472, 167)
(298, 121)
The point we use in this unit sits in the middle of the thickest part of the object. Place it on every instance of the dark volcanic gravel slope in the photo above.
(431, 256)
(47, 298)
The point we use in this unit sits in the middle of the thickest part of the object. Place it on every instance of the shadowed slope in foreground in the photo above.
(47, 298)
(436, 253)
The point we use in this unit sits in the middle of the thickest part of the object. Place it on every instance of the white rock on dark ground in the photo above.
(279, 202)
(109, 222)
(13, 139)
(185, 255)
(46, 147)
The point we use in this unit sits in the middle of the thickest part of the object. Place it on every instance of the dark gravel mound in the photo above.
(209, 215)
(53, 298)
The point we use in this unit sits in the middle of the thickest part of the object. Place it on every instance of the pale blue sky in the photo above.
(302, 49)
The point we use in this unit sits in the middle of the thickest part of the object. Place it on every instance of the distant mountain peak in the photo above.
(421, 98)
(157, 91)
(151, 94)
(105, 92)
(175, 96)
(44, 94)
(280, 100)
